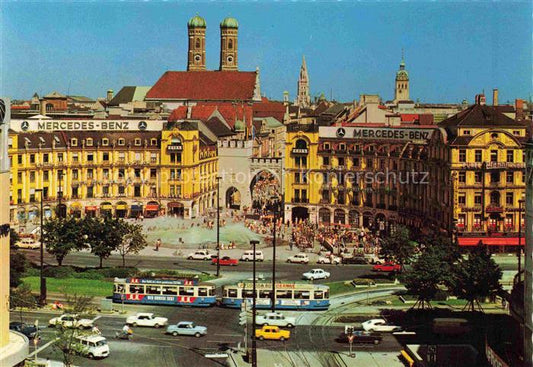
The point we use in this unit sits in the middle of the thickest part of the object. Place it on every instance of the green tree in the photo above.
(17, 267)
(22, 297)
(13, 238)
(398, 247)
(61, 236)
(103, 235)
(133, 241)
(476, 278)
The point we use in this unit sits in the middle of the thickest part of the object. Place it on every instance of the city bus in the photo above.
(290, 296)
(164, 291)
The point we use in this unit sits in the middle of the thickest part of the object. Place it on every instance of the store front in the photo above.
(152, 209)
(75, 210)
(106, 210)
(90, 211)
(136, 211)
(176, 209)
(121, 209)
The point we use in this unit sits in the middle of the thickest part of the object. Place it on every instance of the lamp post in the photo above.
(42, 297)
(275, 207)
(60, 195)
(218, 226)
(519, 251)
(254, 296)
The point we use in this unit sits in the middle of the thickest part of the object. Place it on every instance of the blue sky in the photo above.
(453, 49)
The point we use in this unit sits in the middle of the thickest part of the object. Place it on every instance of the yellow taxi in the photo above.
(272, 333)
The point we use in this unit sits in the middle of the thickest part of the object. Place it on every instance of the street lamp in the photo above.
(519, 251)
(42, 297)
(254, 296)
(218, 225)
(275, 208)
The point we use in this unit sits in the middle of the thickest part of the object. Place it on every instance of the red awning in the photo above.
(152, 207)
(90, 208)
(491, 241)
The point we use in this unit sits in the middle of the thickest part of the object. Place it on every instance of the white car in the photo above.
(146, 319)
(316, 274)
(299, 258)
(329, 260)
(380, 325)
(249, 256)
(275, 319)
(71, 321)
(28, 243)
(199, 255)
(93, 346)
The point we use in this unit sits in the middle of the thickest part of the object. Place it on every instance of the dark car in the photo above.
(360, 337)
(29, 330)
(354, 260)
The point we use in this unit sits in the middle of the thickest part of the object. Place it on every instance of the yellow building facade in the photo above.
(487, 164)
(120, 173)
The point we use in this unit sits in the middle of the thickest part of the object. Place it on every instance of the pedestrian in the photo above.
(157, 244)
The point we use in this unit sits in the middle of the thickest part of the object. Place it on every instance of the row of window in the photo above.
(494, 156)
(89, 142)
(89, 157)
(495, 177)
(495, 198)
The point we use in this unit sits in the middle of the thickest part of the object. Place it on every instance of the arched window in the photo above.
(230, 44)
(301, 144)
(198, 43)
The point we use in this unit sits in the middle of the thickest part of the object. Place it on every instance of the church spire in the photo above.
(401, 89)
(303, 98)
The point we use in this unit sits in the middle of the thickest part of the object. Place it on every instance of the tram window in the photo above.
(326, 294)
(232, 293)
(283, 294)
(265, 294)
(170, 290)
(211, 291)
(152, 289)
(186, 291)
(136, 288)
(247, 293)
(319, 294)
(119, 288)
(202, 292)
(301, 295)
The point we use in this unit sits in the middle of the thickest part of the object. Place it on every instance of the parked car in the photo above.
(70, 321)
(387, 267)
(329, 260)
(146, 319)
(29, 330)
(249, 256)
(372, 259)
(272, 333)
(93, 346)
(225, 261)
(299, 258)
(199, 255)
(354, 260)
(380, 325)
(360, 337)
(316, 274)
(187, 328)
(276, 319)
(28, 243)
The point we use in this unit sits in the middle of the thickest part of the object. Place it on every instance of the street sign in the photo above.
(242, 318)
(351, 338)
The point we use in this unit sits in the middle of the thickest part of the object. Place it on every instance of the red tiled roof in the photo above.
(268, 108)
(20, 107)
(203, 111)
(409, 117)
(204, 85)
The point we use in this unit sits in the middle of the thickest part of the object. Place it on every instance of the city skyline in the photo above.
(119, 44)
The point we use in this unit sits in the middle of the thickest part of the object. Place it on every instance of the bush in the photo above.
(22, 297)
(59, 272)
(32, 272)
(118, 272)
(362, 282)
(89, 274)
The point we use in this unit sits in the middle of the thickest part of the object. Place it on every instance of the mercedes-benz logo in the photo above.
(25, 125)
(341, 132)
(143, 125)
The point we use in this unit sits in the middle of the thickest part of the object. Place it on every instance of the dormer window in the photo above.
(74, 142)
(494, 136)
(89, 142)
(153, 142)
(516, 132)
(176, 141)
(326, 146)
(105, 142)
(342, 147)
(121, 142)
(137, 142)
(466, 132)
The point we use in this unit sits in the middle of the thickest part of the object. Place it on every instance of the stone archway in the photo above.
(325, 215)
(233, 198)
(265, 187)
(299, 213)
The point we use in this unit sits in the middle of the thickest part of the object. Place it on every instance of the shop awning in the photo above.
(106, 206)
(122, 206)
(136, 208)
(90, 208)
(75, 205)
(152, 207)
(175, 204)
(491, 241)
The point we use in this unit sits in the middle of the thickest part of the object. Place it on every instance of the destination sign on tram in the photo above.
(162, 281)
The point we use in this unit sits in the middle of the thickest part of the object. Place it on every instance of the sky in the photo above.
(453, 50)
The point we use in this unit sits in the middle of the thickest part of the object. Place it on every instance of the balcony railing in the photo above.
(300, 200)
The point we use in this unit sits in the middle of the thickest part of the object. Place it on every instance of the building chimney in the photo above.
(189, 112)
(480, 99)
(109, 96)
(495, 97)
(519, 109)
(42, 109)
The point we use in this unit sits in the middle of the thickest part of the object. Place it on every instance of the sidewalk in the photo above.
(269, 358)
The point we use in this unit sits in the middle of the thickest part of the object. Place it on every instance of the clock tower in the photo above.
(229, 29)
(196, 55)
(401, 90)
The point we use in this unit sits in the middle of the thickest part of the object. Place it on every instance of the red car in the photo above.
(225, 261)
(387, 267)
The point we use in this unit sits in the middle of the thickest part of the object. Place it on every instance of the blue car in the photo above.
(187, 328)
